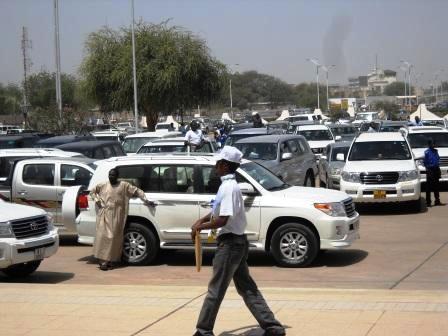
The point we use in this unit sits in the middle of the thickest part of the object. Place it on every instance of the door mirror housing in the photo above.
(286, 156)
(340, 157)
(247, 188)
(338, 138)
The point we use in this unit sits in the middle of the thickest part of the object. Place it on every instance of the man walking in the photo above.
(432, 165)
(112, 199)
(230, 261)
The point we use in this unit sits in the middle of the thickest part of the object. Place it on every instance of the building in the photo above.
(378, 79)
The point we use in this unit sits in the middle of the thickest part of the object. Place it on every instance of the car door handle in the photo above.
(23, 192)
(205, 204)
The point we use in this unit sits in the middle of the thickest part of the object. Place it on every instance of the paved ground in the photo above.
(398, 249)
(170, 311)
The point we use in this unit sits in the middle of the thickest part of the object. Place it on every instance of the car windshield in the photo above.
(316, 135)
(349, 130)
(163, 149)
(420, 140)
(264, 177)
(232, 138)
(107, 137)
(132, 145)
(7, 143)
(390, 128)
(365, 116)
(380, 150)
(433, 123)
(258, 151)
(338, 150)
(163, 126)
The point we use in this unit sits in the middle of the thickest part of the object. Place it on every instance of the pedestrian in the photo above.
(256, 119)
(372, 128)
(433, 173)
(171, 128)
(230, 260)
(182, 128)
(194, 137)
(112, 199)
(417, 121)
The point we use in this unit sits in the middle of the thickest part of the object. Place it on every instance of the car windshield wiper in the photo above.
(279, 187)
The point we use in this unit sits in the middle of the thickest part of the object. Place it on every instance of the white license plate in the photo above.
(39, 253)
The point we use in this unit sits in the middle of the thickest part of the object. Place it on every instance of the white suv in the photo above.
(418, 137)
(318, 137)
(380, 168)
(293, 223)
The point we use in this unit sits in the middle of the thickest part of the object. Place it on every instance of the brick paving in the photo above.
(28, 309)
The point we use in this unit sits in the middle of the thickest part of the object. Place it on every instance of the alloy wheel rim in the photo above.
(135, 246)
(293, 246)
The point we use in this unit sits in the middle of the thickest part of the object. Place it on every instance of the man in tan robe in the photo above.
(112, 199)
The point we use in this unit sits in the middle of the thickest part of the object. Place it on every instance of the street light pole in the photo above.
(134, 72)
(317, 64)
(230, 92)
(408, 67)
(327, 70)
(57, 58)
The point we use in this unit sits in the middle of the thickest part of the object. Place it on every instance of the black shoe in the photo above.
(438, 203)
(274, 332)
(428, 205)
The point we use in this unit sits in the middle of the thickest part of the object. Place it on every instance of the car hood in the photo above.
(419, 153)
(312, 195)
(379, 166)
(10, 211)
(269, 164)
(320, 144)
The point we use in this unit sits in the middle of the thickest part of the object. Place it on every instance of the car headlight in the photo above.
(6, 230)
(335, 209)
(420, 163)
(351, 177)
(408, 175)
(335, 171)
(50, 221)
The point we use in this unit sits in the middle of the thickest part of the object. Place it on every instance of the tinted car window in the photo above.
(145, 177)
(420, 140)
(316, 135)
(72, 175)
(39, 174)
(337, 150)
(176, 179)
(97, 153)
(258, 151)
(380, 150)
(108, 151)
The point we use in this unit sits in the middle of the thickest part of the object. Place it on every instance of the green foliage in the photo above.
(306, 96)
(10, 99)
(253, 87)
(391, 110)
(174, 70)
(396, 89)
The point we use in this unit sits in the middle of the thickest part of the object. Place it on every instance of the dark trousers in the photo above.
(230, 261)
(432, 184)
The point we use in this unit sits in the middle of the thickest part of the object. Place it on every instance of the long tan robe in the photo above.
(111, 217)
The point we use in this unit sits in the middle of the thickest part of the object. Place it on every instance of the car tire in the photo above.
(294, 245)
(140, 245)
(310, 181)
(22, 270)
(417, 205)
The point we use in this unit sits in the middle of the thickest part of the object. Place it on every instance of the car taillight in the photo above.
(83, 202)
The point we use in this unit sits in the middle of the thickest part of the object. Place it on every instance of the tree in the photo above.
(253, 87)
(390, 109)
(174, 70)
(306, 96)
(397, 89)
(10, 99)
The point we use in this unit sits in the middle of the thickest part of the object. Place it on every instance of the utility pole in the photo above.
(26, 45)
(134, 71)
(317, 64)
(57, 58)
(327, 70)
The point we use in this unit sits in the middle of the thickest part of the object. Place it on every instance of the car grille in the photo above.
(379, 178)
(349, 207)
(30, 227)
(444, 161)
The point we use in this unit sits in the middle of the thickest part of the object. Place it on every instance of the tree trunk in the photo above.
(151, 119)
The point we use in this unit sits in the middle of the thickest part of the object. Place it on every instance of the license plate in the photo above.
(39, 253)
(379, 194)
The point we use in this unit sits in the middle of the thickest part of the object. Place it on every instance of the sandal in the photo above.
(105, 266)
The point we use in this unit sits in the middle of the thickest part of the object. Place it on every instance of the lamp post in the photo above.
(230, 91)
(317, 64)
(134, 72)
(327, 70)
(408, 66)
(404, 81)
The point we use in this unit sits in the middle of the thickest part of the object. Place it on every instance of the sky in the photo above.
(270, 36)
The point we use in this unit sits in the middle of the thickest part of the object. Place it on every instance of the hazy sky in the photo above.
(273, 37)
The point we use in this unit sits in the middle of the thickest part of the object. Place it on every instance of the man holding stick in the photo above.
(230, 261)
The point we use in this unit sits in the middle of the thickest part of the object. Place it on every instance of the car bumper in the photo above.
(14, 251)
(344, 232)
(399, 192)
(335, 182)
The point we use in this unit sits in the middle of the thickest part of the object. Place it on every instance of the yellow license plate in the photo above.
(379, 194)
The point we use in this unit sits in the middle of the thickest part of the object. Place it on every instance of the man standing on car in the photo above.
(432, 165)
(194, 137)
(112, 199)
(230, 259)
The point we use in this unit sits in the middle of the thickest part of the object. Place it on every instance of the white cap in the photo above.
(254, 113)
(231, 154)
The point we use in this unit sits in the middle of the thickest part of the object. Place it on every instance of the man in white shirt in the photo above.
(230, 259)
(194, 137)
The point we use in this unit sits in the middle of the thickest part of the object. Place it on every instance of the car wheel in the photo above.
(310, 181)
(140, 246)
(294, 245)
(21, 270)
(417, 205)
(327, 185)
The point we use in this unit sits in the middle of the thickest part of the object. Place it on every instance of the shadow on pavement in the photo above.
(244, 331)
(39, 278)
(397, 208)
(339, 258)
(68, 240)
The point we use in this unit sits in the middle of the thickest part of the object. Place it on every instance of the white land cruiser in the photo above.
(318, 137)
(418, 137)
(293, 223)
(380, 168)
(27, 236)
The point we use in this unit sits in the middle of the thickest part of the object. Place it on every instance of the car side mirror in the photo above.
(340, 157)
(247, 188)
(338, 138)
(286, 156)
(323, 157)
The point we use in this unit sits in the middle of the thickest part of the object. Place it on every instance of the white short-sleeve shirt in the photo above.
(194, 137)
(229, 202)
